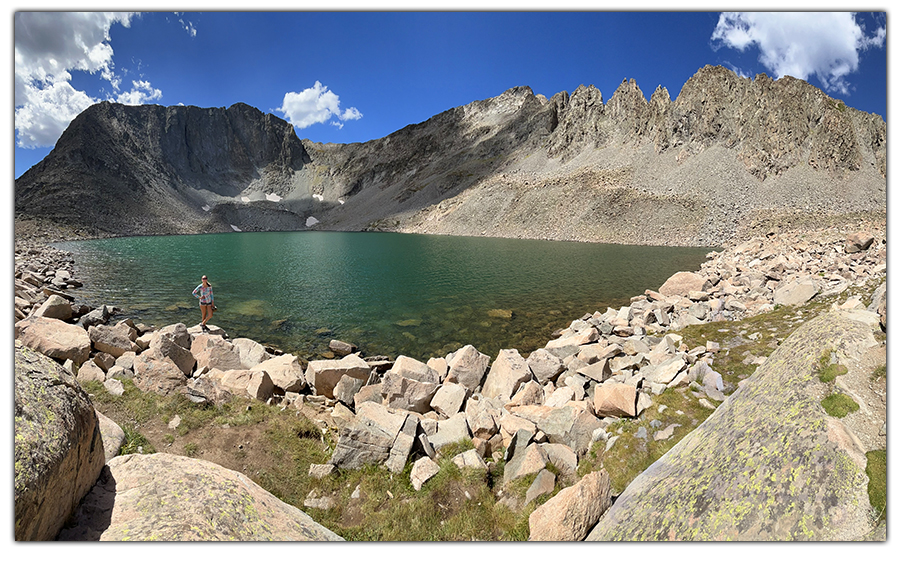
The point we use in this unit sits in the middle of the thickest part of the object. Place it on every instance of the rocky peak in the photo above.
(629, 109)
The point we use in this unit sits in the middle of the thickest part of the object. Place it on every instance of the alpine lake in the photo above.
(388, 293)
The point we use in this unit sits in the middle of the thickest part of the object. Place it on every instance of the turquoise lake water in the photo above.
(390, 294)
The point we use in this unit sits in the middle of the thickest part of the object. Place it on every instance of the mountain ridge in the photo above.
(730, 156)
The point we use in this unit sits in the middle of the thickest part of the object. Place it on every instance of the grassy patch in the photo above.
(839, 405)
(135, 443)
(191, 449)
(879, 373)
(631, 455)
(826, 371)
(876, 469)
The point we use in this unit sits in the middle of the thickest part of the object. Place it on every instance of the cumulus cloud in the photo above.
(141, 93)
(316, 105)
(826, 45)
(48, 47)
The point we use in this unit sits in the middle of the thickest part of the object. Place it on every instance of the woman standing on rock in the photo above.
(204, 292)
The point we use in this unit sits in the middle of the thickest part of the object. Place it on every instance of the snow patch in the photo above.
(342, 201)
(235, 228)
(273, 197)
(311, 221)
(205, 208)
(245, 199)
(319, 197)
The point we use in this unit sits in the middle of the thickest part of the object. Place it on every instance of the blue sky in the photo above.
(355, 76)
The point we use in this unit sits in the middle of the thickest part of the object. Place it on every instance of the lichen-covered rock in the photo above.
(786, 473)
(164, 497)
(58, 447)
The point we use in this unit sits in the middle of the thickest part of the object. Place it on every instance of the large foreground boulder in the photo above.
(769, 464)
(58, 448)
(164, 497)
(54, 338)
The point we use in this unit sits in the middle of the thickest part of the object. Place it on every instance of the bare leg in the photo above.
(206, 312)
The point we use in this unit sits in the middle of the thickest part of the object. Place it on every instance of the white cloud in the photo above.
(48, 46)
(316, 105)
(141, 93)
(800, 44)
(188, 27)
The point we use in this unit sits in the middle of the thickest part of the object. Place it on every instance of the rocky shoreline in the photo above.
(531, 414)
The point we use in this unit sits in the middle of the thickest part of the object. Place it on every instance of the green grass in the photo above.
(876, 469)
(839, 405)
(135, 443)
(630, 455)
(879, 373)
(191, 449)
(826, 371)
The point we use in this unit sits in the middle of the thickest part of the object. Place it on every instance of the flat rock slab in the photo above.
(164, 497)
(769, 464)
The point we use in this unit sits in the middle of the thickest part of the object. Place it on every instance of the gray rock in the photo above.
(112, 434)
(468, 367)
(415, 370)
(284, 371)
(168, 345)
(544, 365)
(531, 460)
(508, 371)
(408, 394)
(857, 242)
(448, 399)
(252, 353)
(368, 394)
(543, 484)
(55, 307)
(89, 371)
(598, 371)
(470, 459)
(346, 389)
(158, 375)
(212, 351)
(323, 375)
(368, 439)
(423, 470)
(574, 511)
(682, 283)
(342, 348)
(615, 400)
(114, 386)
(796, 292)
(454, 429)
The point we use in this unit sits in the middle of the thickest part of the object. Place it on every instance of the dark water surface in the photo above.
(390, 294)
